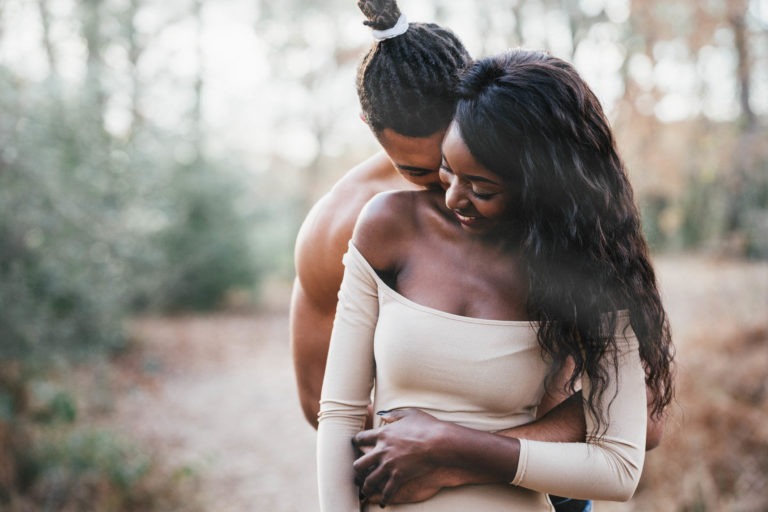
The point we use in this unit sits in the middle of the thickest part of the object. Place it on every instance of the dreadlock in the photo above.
(408, 83)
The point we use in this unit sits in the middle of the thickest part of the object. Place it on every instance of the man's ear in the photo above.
(362, 116)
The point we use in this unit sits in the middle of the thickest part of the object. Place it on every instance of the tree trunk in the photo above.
(135, 50)
(197, 107)
(737, 18)
(45, 22)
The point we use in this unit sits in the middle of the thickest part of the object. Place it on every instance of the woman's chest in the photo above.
(465, 284)
(480, 365)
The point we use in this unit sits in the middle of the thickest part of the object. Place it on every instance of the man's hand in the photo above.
(401, 457)
(423, 487)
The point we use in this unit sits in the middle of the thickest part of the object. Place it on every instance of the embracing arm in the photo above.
(425, 451)
(313, 304)
(565, 423)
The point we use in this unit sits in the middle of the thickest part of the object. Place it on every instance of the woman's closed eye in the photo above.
(483, 196)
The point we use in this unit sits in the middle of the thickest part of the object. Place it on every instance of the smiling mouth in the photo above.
(466, 219)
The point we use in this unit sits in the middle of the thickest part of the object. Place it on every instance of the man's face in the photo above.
(417, 159)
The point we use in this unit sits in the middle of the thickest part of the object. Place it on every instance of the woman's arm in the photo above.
(609, 465)
(347, 385)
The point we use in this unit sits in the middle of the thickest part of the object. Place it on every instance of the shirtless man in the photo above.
(406, 87)
(406, 90)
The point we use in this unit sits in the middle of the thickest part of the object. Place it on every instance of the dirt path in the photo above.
(217, 394)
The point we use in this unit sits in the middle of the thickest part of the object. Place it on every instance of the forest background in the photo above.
(157, 158)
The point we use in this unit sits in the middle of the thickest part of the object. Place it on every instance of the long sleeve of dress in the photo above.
(606, 467)
(347, 387)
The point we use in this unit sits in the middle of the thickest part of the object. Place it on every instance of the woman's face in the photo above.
(479, 198)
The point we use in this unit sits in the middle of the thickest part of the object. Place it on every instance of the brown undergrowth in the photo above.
(714, 456)
(54, 456)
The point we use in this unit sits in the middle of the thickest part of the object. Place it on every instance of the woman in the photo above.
(462, 305)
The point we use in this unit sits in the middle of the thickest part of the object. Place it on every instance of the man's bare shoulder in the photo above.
(327, 229)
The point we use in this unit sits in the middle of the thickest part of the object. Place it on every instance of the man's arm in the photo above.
(412, 437)
(310, 330)
(320, 246)
(562, 423)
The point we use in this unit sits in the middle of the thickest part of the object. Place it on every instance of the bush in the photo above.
(51, 460)
(205, 246)
(93, 226)
(715, 456)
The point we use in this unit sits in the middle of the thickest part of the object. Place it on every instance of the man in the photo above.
(406, 86)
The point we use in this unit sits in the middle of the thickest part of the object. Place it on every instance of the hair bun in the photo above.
(381, 14)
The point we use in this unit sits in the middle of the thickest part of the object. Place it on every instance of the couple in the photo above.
(478, 305)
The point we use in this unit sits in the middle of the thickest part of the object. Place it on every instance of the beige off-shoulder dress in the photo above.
(482, 374)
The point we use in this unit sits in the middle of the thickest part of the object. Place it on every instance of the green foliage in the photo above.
(55, 407)
(53, 460)
(92, 226)
(93, 470)
(61, 281)
(204, 243)
(722, 203)
(751, 215)
(62, 460)
(727, 210)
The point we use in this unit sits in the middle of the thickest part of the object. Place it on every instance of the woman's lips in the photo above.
(466, 219)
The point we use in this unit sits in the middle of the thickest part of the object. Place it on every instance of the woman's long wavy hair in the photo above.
(530, 118)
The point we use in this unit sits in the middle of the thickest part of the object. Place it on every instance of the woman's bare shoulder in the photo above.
(388, 225)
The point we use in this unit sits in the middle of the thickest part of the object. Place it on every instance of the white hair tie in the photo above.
(401, 27)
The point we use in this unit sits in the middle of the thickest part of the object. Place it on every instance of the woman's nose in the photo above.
(454, 196)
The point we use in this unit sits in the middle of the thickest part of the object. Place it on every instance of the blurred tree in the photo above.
(96, 218)
(324, 80)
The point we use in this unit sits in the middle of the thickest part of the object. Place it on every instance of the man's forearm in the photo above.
(564, 423)
(310, 334)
